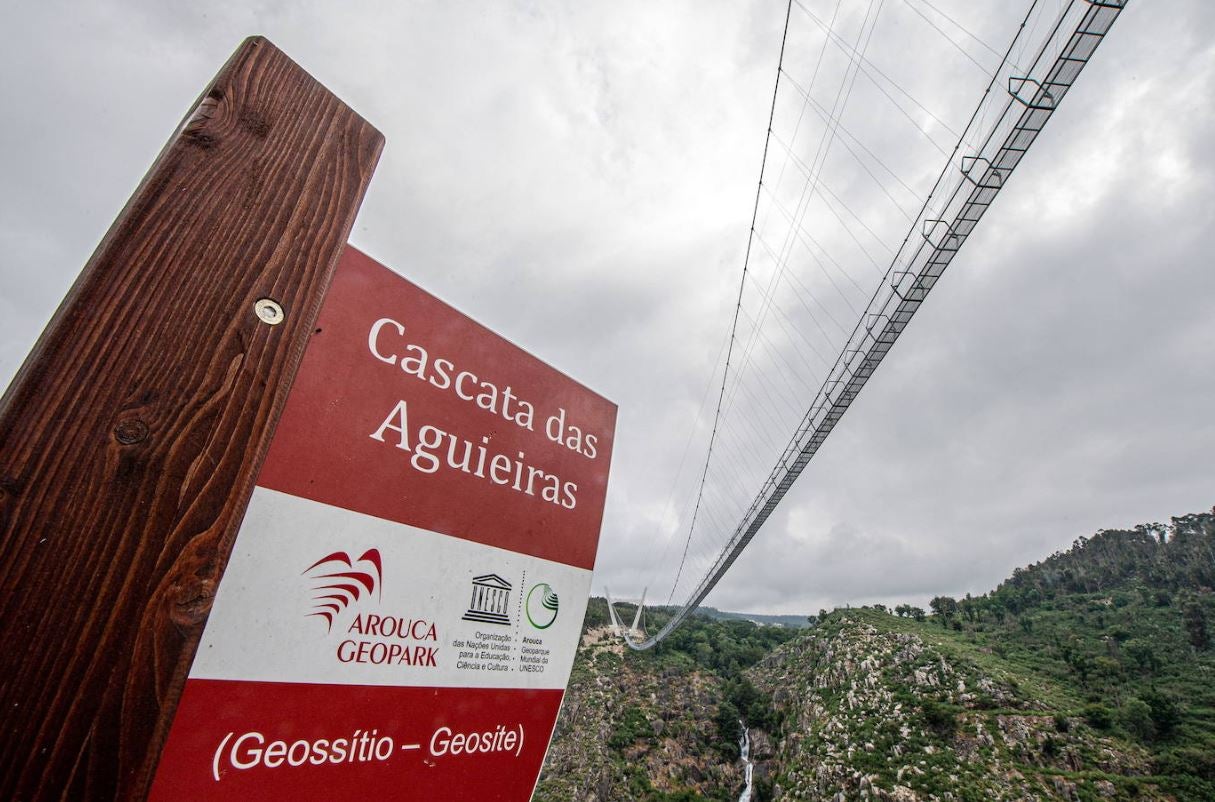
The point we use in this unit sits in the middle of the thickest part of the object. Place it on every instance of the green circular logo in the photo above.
(542, 606)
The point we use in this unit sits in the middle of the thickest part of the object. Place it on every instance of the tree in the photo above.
(1166, 713)
(1136, 718)
(1143, 653)
(944, 607)
(1196, 625)
(969, 608)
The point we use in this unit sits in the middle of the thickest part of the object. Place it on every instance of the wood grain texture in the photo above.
(131, 437)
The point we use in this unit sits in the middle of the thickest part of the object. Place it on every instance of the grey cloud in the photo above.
(580, 178)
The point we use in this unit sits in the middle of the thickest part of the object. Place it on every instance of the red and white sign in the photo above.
(400, 613)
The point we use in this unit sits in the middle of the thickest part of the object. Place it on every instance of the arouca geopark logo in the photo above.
(337, 583)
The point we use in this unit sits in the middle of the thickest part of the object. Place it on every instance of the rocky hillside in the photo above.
(629, 732)
(1088, 676)
(870, 712)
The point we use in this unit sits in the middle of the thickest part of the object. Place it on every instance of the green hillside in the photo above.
(1087, 676)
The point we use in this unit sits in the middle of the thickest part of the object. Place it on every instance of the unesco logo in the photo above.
(542, 606)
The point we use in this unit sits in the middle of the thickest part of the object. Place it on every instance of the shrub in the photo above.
(940, 718)
(632, 727)
(1188, 760)
(1098, 716)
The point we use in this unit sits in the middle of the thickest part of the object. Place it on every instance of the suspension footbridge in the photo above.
(783, 322)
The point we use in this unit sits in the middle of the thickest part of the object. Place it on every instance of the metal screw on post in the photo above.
(269, 312)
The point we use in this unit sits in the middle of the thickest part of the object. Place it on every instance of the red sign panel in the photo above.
(400, 613)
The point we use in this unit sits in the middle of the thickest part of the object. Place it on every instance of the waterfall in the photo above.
(744, 746)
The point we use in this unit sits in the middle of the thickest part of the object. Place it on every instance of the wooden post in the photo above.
(131, 437)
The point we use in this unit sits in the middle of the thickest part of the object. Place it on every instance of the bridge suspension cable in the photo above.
(967, 185)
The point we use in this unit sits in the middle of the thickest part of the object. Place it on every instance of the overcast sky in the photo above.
(580, 178)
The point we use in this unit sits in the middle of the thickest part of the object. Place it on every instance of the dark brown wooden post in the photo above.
(131, 437)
